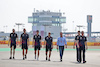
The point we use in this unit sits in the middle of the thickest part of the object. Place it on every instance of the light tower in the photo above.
(18, 24)
(80, 26)
(89, 21)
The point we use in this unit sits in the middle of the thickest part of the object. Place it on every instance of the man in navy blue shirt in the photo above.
(37, 43)
(77, 50)
(81, 43)
(49, 46)
(24, 39)
(12, 40)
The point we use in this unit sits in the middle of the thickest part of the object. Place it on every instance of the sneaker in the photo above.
(61, 60)
(25, 57)
(13, 57)
(10, 58)
(35, 57)
(79, 61)
(84, 61)
(48, 59)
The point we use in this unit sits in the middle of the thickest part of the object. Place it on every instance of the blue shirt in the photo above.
(61, 41)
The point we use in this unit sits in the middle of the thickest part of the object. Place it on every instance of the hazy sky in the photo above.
(17, 11)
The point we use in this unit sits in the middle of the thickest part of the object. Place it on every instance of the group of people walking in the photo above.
(80, 42)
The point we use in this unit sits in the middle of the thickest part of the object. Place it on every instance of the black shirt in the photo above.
(48, 40)
(37, 39)
(77, 37)
(24, 38)
(13, 37)
(82, 40)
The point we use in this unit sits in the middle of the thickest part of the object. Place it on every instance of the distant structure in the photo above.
(47, 21)
(89, 21)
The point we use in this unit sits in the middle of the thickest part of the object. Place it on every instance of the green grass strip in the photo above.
(31, 49)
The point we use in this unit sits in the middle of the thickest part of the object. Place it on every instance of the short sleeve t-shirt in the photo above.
(82, 40)
(77, 37)
(24, 38)
(13, 37)
(37, 39)
(48, 40)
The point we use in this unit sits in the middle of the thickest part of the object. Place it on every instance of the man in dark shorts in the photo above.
(24, 42)
(81, 43)
(49, 46)
(37, 43)
(12, 40)
(75, 42)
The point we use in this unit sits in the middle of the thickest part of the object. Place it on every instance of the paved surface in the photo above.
(69, 59)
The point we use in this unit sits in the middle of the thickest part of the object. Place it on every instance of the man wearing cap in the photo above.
(49, 46)
(37, 43)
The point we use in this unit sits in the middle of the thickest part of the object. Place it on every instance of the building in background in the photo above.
(47, 21)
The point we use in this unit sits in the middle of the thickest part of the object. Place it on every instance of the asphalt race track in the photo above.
(69, 58)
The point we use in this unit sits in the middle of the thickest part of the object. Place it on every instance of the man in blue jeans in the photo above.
(61, 42)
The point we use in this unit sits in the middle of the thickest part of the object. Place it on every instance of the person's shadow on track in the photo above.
(12, 59)
(57, 61)
(31, 60)
(75, 62)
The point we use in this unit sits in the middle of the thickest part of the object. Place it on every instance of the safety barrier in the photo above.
(54, 43)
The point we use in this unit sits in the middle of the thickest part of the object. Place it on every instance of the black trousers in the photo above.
(81, 52)
(77, 51)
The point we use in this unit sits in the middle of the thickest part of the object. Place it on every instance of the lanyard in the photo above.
(61, 40)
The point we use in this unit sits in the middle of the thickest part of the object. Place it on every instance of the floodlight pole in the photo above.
(18, 24)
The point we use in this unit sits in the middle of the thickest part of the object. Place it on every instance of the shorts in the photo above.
(48, 48)
(13, 45)
(37, 47)
(24, 46)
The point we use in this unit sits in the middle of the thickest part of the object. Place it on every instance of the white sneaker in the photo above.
(35, 57)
